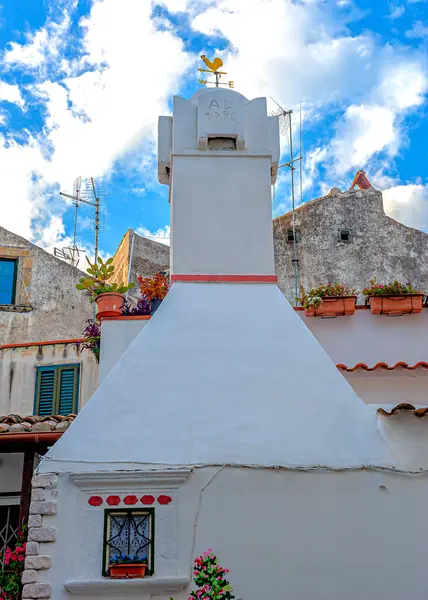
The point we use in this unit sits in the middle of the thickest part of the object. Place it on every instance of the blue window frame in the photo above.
(8, 272)
(57, 390)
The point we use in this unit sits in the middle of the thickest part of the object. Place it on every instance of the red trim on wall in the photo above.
(49, 343)
(127, 318)
(225, 278)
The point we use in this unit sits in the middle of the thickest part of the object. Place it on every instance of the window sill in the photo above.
(15, 308)
(115, 587)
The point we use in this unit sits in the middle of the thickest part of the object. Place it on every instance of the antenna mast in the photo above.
(77, 200)
(285, 127)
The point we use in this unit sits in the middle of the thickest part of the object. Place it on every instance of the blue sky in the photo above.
(83, 82)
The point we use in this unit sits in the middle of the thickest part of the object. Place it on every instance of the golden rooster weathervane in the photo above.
(213, 67)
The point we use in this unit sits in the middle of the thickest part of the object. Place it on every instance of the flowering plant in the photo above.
(209, 576)
(389, 289)
(141, 308)
(313, 298)
(92, 335)
(13, 560)
(127, 559)
(153, 288)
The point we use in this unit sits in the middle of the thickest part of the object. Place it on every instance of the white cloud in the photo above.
(368, 129)
(10, 93)
(365, 131)
(418, 31)
(397, 11)
(42, 46)
(105, 106)
(161, 235)
(408, 204)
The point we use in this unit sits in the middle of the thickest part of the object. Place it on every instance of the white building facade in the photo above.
(224, 423)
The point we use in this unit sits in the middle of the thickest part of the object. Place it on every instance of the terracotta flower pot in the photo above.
(396, 305)
(333, 306)
(128, 571)
(110, 304)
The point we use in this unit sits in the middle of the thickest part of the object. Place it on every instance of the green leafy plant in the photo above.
(209, 576)
(389, 289)
(314, 297)
(96, 280)
(13, 560)
(127, 559)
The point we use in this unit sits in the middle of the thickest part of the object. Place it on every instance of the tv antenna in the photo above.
(285, 127)
(79, 197)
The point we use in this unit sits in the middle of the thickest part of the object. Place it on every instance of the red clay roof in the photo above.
(408, 408)
(383, 365)
(34, 424)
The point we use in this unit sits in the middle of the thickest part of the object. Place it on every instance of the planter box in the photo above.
(333, 306)
(127, 571)
(396, 305)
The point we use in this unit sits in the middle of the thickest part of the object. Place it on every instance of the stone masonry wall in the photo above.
(49, 307)
(44, 500)
(379, 246)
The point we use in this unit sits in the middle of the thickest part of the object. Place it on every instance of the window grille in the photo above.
(9, 525)
(129, 533)
(57, 390)
(8, 273)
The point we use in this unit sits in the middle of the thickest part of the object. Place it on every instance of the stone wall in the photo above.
(148, 257)
(378, 245)
(48, 305)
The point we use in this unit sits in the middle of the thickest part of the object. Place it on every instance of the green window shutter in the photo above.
(57, 390)
(45, 392)
(67, 391)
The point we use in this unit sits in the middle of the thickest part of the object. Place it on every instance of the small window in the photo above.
(345, 235)
(290, 236)
(9, 525)
(8, 272)
(128, 540)
(57, 390)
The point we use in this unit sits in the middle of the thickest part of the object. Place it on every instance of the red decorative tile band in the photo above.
(162, 499)
(129, 500)
(147, 499)
(113, 500)
(95, 501)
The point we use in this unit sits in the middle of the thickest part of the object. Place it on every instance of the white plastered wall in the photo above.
(283, 534)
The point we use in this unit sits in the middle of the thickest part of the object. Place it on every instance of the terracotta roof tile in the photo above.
(383, 365)
(34, 423)
(408, 408)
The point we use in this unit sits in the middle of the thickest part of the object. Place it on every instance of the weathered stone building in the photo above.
(347, 237)
(45, 302)
(137, 255)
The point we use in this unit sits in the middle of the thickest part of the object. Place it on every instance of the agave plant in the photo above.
(96, 280)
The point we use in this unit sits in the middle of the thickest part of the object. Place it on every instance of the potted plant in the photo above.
(142, 308)
(108, 296)
(209, 576)
(393, 298)
(328, 300)
(127, 566)
(13, 560)
(153, 289)
(92, 336)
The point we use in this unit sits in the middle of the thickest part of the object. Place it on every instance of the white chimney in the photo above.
(225, 372)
